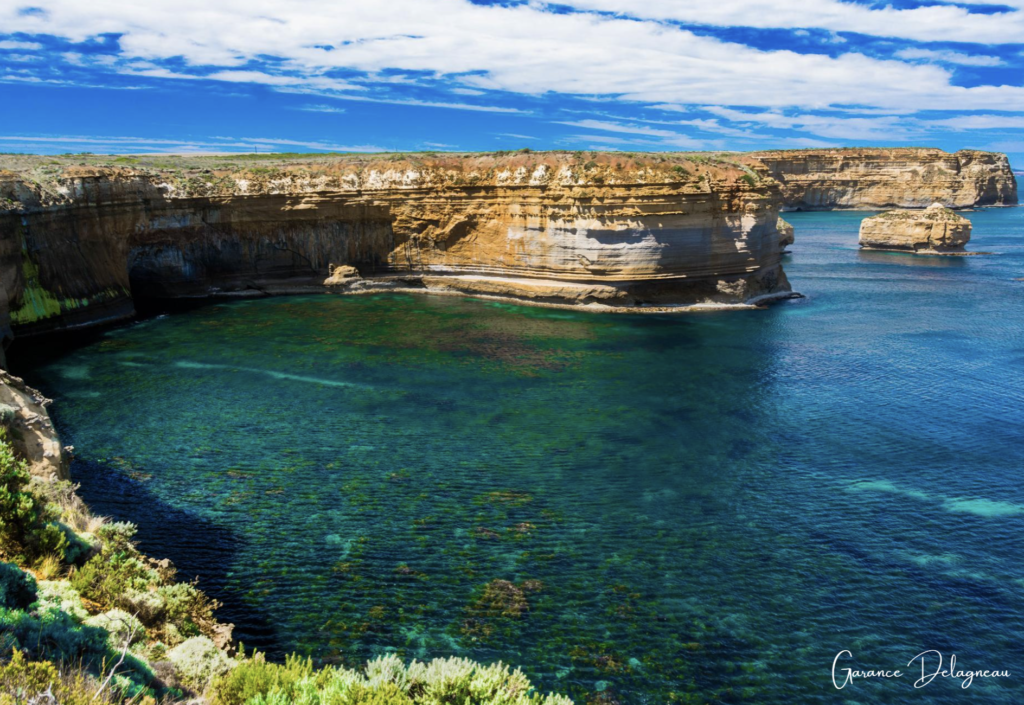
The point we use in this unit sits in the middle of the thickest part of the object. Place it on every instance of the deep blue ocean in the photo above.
(633, 508)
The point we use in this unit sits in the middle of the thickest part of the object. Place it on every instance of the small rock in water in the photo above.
(935, 230)
(342, 274)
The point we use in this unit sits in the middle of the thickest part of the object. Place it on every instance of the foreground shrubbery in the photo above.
(101, 623)
(385, 681)
(23, 681)
(27, 531)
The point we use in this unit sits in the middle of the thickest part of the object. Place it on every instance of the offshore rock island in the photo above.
(935, 230)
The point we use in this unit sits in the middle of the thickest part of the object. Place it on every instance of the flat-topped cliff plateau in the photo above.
(879, 179)
(80, 241)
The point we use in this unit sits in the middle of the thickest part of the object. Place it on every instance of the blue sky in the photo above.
(110, 76)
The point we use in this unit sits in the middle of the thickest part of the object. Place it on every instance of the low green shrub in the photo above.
(51, 629)
(385, 681)
(51, 636)
(122, 627)
(26, 532)
(59, 596)
(23, 681)
(254, 676)
(108, 577)
(17, 588)
(198, 661)
(188, 609)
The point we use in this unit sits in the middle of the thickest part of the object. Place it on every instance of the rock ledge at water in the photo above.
(934, 230)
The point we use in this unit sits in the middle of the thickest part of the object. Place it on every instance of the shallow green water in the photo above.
(711, 506)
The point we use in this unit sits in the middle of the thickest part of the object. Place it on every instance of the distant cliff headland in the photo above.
(877, 179)
(83, 236)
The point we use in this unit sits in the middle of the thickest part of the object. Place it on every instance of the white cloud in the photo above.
(304, 46)
(121, 144)
(981, 122)
(320, 109)
(929, 23)
(662, 137)
(868, 129)
(883, 129)
(423, 103)
(8, 45)
(949, 57)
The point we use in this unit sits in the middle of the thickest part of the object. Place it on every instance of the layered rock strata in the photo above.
(876, 179)
(935, 230)
(77, 245)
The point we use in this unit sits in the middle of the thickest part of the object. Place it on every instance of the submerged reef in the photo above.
(85, 617)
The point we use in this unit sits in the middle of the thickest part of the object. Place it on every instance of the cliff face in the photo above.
(77, 245)
(31, 432)
(873, 179)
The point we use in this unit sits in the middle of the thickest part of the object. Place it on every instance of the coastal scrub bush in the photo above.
(121, 627)
(198, 661)
(188, 608)
(23, 681)
(59, 596)
(50, 629)
(52, 636)
(17, 588)
(25, 532)
(254, 677)
(385, 681)
(109, 576)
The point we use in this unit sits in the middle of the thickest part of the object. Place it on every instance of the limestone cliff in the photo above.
(77, 243)
(935, 230)
(875, 179)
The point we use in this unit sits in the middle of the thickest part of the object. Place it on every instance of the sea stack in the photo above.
(934, 230)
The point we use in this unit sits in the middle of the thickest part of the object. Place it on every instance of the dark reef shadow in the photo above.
(199, 548)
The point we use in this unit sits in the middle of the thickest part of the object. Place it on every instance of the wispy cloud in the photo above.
(664, 137)
(927, 23)
(949, 57)
(10, 45)
(980, 122)
(320, 109)
(231, 144)
(429, 104)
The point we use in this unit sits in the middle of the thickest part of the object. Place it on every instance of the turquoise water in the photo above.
(698, 508)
